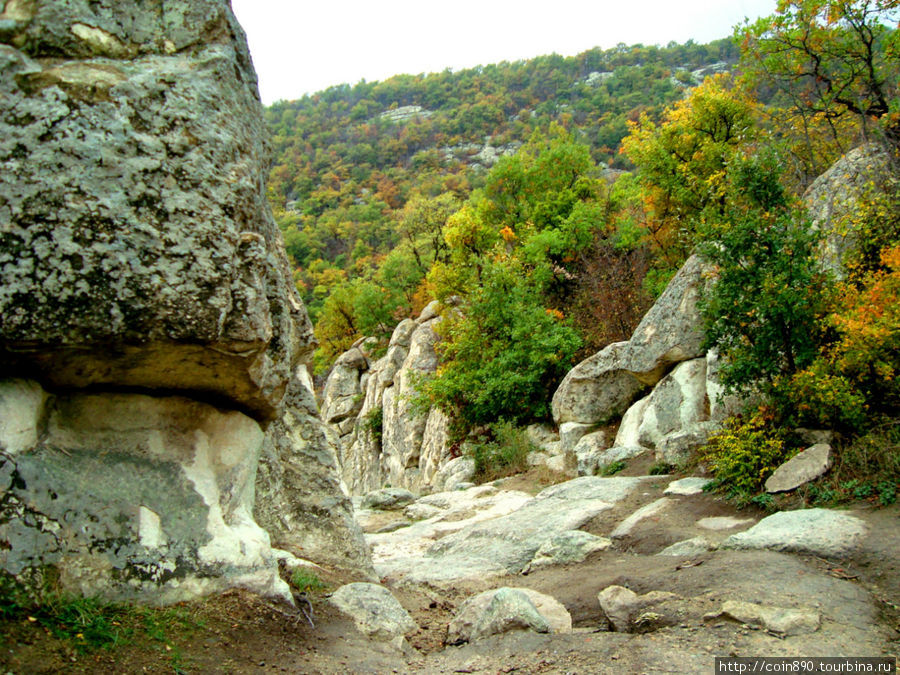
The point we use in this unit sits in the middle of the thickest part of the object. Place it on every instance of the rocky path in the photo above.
(618, 574)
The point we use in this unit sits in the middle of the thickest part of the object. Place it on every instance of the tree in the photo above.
(830, 57)
(682, 162)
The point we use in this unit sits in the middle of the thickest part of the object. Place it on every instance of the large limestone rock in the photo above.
(833, 199)
(127, 494)
(602, 387)
(597, 389)
(504, 609)
(678, 403)
(149, 327)
(819, 532)
(137, 247)
(671, 332)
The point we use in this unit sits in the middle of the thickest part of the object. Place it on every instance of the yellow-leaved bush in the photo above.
(744, 454)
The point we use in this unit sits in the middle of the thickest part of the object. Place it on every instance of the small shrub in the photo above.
(503, 453)
(660, 469)
(373, 422)
(307, 581)
(743, 455)
(612, 468)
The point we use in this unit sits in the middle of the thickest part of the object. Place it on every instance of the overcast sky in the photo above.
(301, 47)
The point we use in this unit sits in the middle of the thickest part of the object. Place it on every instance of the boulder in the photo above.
(388, 499)
(567, 547)
(819, 532)
(598, 389)
(129, 495)
(678, 403)
(688, 548)
(504, 609)
(374, 610)
(671, 331)
(692, 485)
(623, 606)
(800, 469)
(138, 249)
(833, 198)
(780, 620)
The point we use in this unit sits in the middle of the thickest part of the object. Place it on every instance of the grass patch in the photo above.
(613, 468)
(307, 581)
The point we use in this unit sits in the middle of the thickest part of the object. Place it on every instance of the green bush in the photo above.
(502, 452)
(612, 468)
(373, 422)
(743, 455)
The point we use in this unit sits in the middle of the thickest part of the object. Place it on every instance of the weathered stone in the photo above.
(456, 472)
(136, 496)
(833, 198)
(504, 609)
(671, 331)
(687, 548)
(388, 499)
(677, 403)
(814, 531)
(781, 620)
(374, 610)
(567, 547)
(718, 523)
(692, 485)
(300, 502)
(800, 469)
(650, 510)
(587, 452)
(629, 432)
(591, 462)
(138, 249)
(677, 448)
(597, 390)
(21, 410)
(570, 433)
(622, 605)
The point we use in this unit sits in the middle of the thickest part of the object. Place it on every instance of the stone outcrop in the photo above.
(833, 199)
(504, 609)
(384, 438)
(150, 335)
(601, 388)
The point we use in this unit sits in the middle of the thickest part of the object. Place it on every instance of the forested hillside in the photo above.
(551, 200)
(359, 169)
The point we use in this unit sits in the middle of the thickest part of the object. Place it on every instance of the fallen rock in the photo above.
(567, 547)
(505, 609)
(622, 606)
(779, 620)
(671, 331)
(814, 531)
(800, 469)
(687, 548)
(388, 499)
(374, 610)
(596, 390)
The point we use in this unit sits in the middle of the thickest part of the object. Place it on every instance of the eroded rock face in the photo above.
(127, 494)
(149, 327)
(137, 247)
(384, 439)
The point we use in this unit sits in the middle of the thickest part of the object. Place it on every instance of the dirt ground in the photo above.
(240, 633)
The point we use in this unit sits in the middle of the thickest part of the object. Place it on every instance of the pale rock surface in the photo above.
(687, 548)
(692, 485)
(567, 547)
(718, 523)
(651, 510)
(503, 609)
(299, 500)
(670, 332)
(677, 403)
(629, 432)
(781, 620)
(132, 495)
(374, 610)
(832, 200)
(593, 461)
(596, 390)
(813, 531)
(388, 499)
(571, 432)
(801, 469)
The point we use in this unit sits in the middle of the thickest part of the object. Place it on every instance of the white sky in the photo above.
(304, 46)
